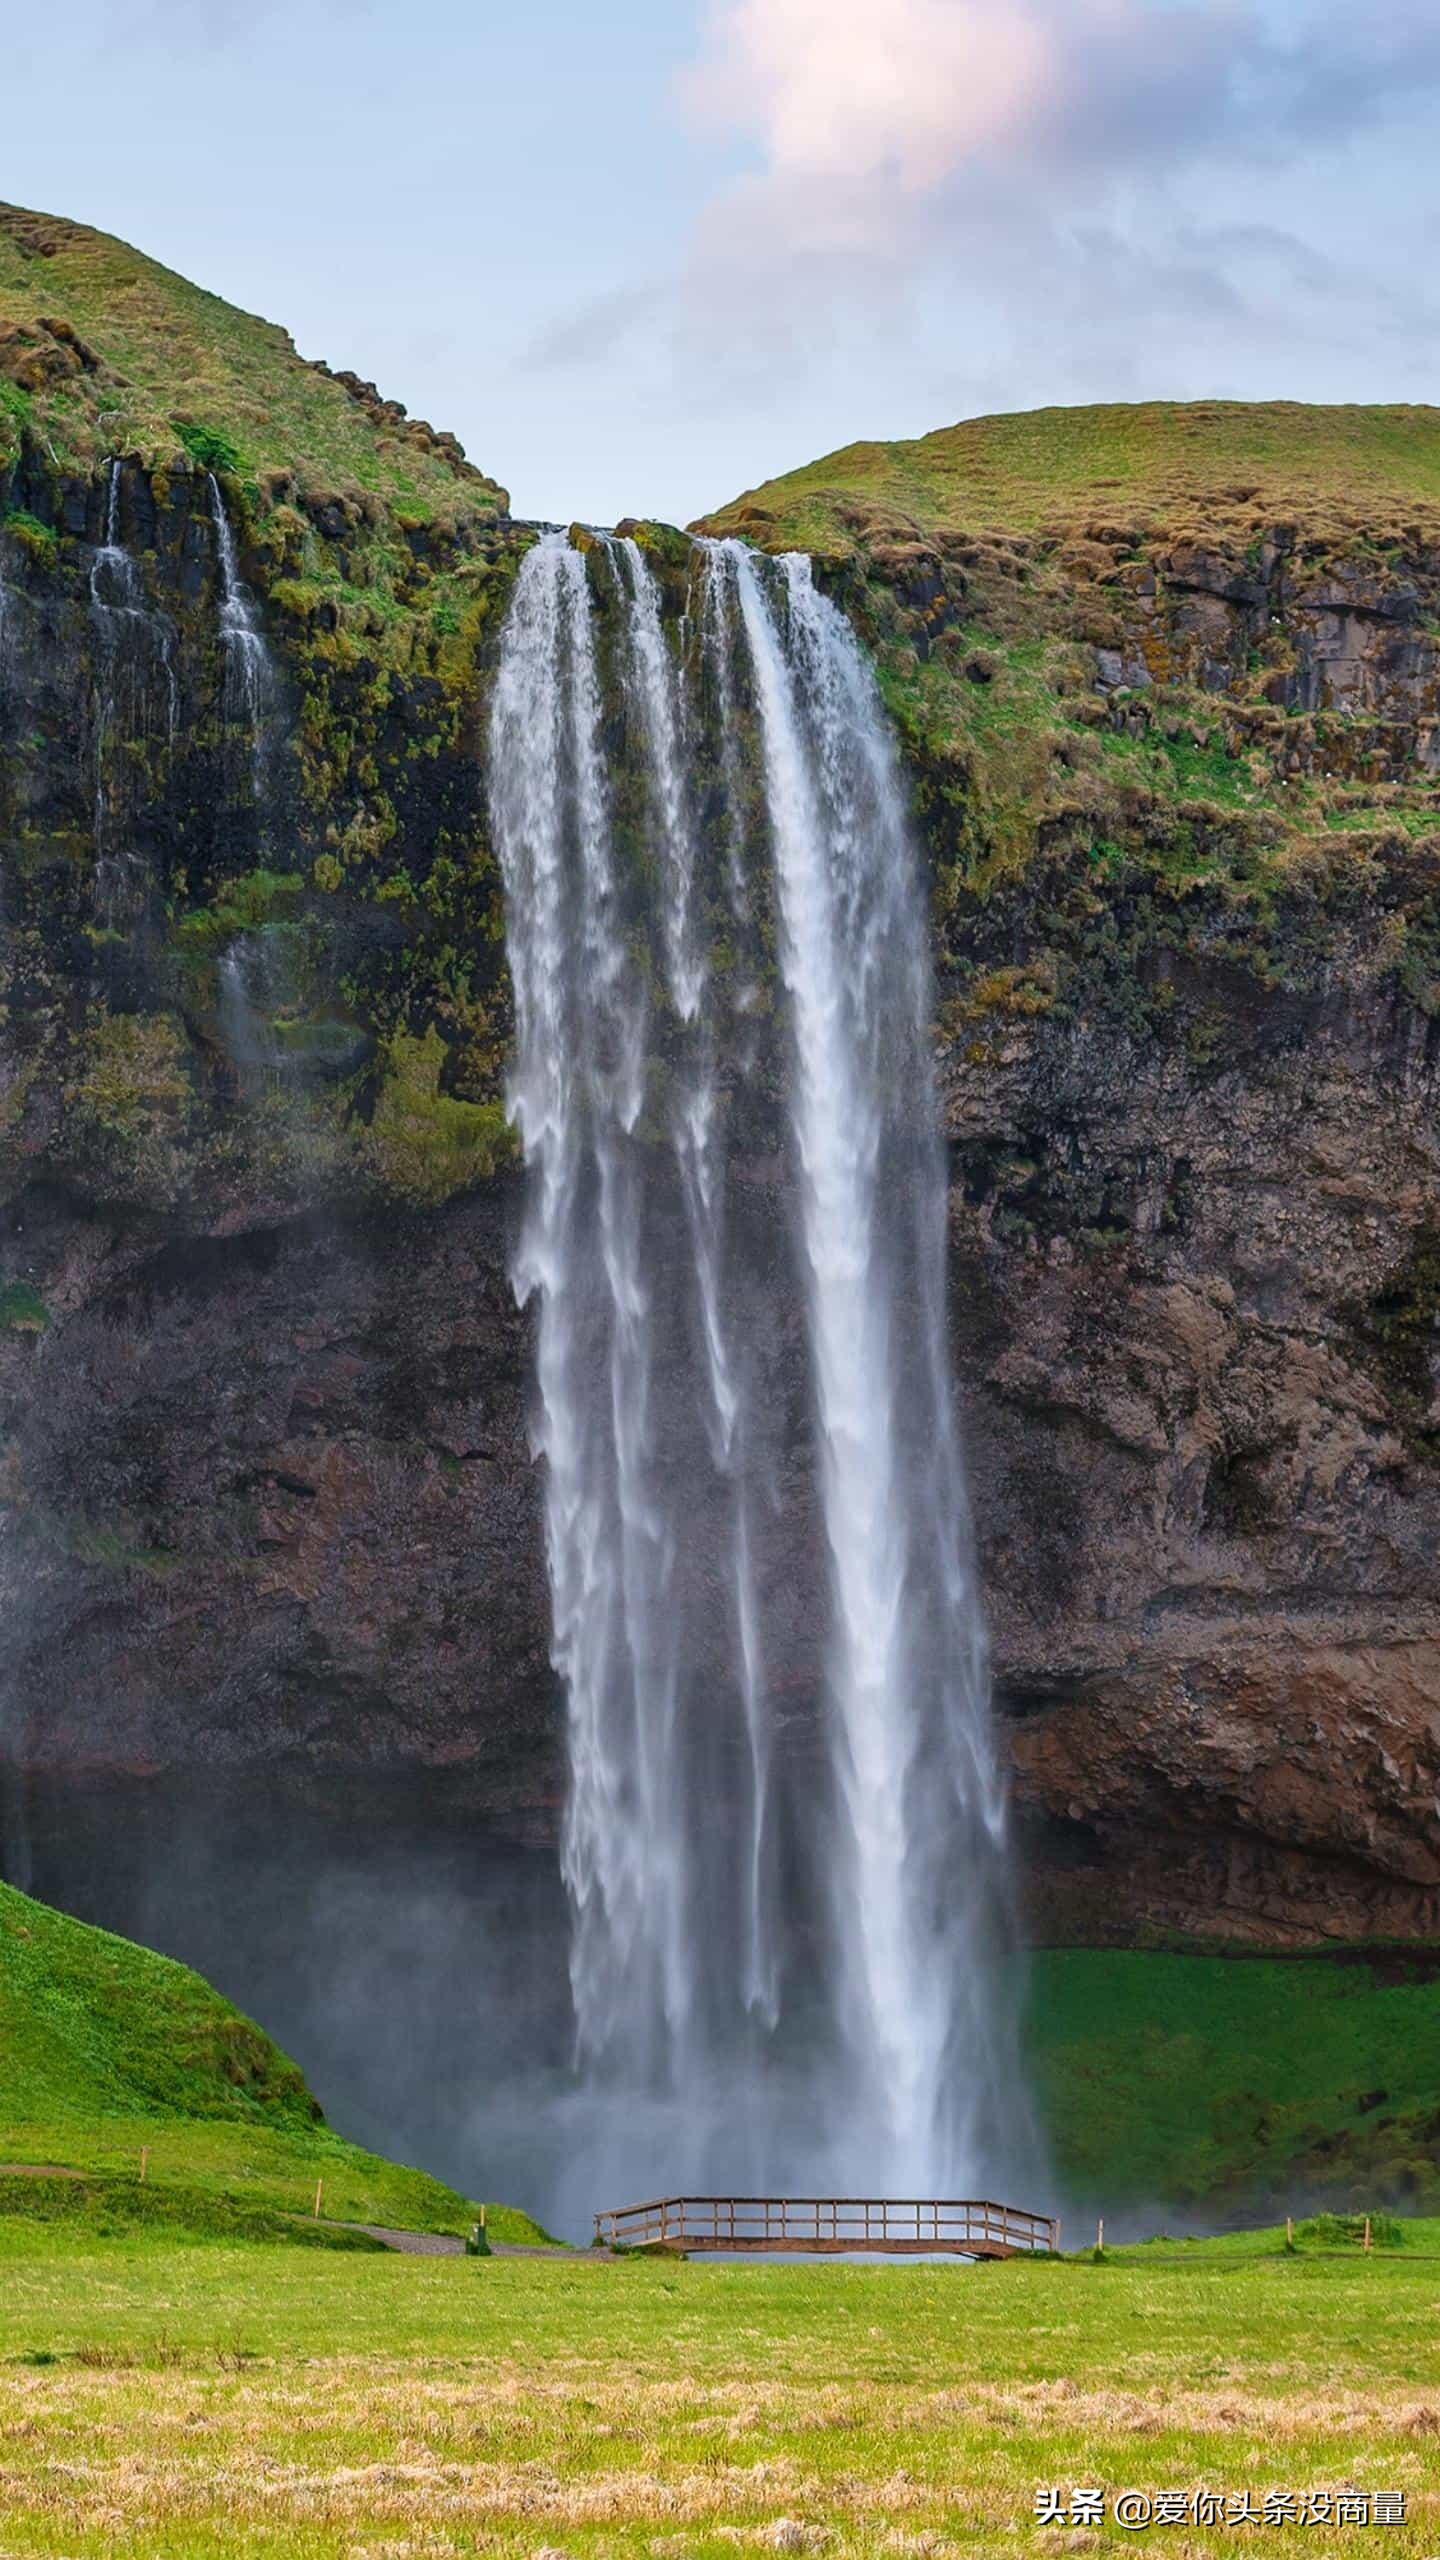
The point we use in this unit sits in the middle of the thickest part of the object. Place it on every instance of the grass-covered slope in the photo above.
(104, 351)
(108, 2050)
(1188, 2079)
(1372, 469)
(93, 2025)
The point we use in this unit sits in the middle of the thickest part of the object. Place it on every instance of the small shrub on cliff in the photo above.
(38, 539)
(16, 410)
(207, 446)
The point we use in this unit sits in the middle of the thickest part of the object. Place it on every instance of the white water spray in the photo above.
(784, 1836)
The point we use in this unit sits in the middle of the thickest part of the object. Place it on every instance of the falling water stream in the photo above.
(249, 678)
(136, 687)
(784, 1841)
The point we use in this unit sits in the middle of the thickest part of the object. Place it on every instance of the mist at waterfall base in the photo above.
(787, 1912)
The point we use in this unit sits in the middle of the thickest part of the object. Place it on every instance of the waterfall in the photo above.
(249, 677)
(258, 985)
(784, 1838)
(136, 687)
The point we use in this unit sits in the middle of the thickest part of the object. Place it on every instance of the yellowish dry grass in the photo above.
(241, 2402)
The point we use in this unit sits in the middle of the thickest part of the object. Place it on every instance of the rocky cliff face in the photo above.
(263, 1386)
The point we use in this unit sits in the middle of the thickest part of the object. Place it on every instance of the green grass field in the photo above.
(194, 2401)
(1196, 2080)
(185, 2372)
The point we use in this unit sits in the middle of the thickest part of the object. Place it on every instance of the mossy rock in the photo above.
(423, 1144)
(22, 1309)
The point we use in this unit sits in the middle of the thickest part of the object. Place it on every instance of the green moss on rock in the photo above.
(423, 1144)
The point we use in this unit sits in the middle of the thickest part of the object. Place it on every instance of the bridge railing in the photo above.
(892, 2225)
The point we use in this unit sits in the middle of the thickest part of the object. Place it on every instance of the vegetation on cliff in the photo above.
(1168, 678)
(156, 819)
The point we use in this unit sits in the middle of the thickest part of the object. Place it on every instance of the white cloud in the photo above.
(879, 104)
(871, 120)
(847, 90)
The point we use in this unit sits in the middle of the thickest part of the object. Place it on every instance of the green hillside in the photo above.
(1165, 462)
(105, 352)
(108, 2051)
(1195, 2079)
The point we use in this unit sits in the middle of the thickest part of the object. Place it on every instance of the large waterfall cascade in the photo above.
(784, 1842)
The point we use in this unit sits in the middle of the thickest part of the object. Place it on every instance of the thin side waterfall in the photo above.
(249, 676)
(784, 1839)
(259, 993)
(136, 687)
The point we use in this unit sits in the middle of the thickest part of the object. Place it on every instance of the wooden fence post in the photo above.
(1366, 2243)
(319, 2191)
(1289, 2232)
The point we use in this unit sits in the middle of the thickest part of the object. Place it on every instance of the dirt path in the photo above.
(443, 2244)
(411, 2244)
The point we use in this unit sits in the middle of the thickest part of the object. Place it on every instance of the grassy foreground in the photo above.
(264, 2402)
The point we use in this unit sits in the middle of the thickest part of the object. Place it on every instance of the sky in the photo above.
(641, 256)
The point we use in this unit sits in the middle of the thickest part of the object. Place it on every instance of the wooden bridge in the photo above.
(888, 2226)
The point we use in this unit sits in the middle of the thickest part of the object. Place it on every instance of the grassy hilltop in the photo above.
(103, 351)
(1200, 466)
(108, 2050)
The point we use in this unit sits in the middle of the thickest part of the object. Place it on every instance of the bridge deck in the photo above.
(829, 2226)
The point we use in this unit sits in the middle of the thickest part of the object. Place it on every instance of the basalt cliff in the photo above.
(1167, 687)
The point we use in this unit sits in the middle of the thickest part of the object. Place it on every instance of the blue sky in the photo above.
(640, 257)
